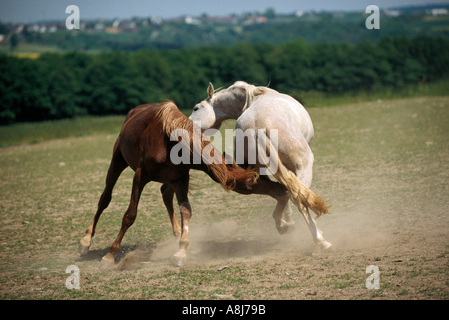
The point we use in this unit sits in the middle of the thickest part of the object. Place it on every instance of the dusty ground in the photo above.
(384, 166)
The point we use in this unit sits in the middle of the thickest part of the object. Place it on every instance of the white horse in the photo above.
(264, 108)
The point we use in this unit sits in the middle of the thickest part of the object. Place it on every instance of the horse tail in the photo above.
(300, 194)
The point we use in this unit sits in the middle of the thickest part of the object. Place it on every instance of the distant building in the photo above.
(392, 13)
(116, 23)
(156, 20)
(255, 19)
(111, 30)
(128, 26)
(19, 29)
(439, 11)
(221, 19)
(122, 26)
(190, 20)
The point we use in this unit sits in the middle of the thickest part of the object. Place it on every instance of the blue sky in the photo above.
(36, 10)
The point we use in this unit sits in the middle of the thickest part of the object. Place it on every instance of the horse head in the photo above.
(220, 105)
(204, 114)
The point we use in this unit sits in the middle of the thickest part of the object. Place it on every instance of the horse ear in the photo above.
(210, 90)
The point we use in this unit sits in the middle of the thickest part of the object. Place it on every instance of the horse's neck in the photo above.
(229, 106)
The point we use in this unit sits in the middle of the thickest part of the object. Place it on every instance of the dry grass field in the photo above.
(383, 165)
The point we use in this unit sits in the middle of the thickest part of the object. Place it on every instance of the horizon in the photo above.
(25, 11)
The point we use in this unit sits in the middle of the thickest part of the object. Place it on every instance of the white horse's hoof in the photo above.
(324, 245)
(282, 230)
(282, 227)
(291, 226)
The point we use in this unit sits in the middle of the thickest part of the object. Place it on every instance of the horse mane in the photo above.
(172, 119)
(251, 91)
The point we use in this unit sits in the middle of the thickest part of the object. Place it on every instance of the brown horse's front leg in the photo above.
(181, 190)
(128, 219)
(167, 195)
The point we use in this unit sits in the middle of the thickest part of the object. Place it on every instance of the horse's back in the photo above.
(142, 133)
(294, 129)
(278, 111)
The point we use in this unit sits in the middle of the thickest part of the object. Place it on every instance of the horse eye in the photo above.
(196, 108)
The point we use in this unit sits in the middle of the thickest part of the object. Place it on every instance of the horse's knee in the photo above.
(177, 231)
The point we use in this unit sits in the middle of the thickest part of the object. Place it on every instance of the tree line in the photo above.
(56, 86)
(140, 33)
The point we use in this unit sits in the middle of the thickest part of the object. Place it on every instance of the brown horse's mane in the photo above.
(171, 118)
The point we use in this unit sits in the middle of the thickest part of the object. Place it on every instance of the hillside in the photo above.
(258, 27)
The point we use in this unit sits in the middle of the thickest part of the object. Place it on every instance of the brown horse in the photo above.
(144, 144)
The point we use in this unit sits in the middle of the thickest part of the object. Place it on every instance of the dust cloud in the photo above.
(225, 240)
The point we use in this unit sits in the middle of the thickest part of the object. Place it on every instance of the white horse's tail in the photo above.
(299, 192)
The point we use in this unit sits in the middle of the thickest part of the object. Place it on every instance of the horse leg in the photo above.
(167, 195)
(317, 234)
(280, 223)
(305, 175)
(277, 191)
(118, 164)
(288, 214)
(128, 219)
(283, 209)
(181, 190)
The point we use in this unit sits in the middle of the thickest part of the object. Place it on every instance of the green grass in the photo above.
(34, 132)
(321, 99)
(29, 48)
(22, 133)
(373, 160)
(30, 132)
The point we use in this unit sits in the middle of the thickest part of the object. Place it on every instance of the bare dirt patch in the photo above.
(383, 165)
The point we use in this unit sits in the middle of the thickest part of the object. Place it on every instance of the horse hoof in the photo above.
(178, 261)
(106, 263)
(291, 227)
(283, 227)
(82, 249)
(325, 245)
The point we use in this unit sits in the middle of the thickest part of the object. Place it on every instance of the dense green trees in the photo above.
(65, 85)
